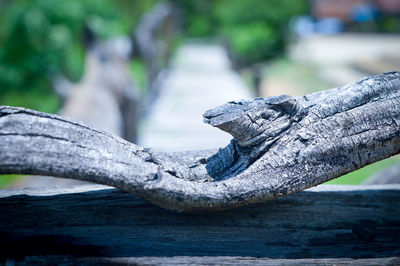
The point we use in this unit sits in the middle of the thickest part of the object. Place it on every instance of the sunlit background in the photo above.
(146, 70)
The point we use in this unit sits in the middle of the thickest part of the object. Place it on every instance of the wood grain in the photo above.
(325, 222)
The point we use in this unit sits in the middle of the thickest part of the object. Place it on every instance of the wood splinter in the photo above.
(281, 145)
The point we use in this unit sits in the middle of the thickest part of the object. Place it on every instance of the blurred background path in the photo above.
(201, 77)
(320, 62)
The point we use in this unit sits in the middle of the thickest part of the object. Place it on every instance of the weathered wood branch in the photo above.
(281, 145)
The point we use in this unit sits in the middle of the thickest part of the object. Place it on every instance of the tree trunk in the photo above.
(281, 145)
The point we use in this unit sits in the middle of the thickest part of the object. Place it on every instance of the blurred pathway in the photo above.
(200, 78)
(347, 57)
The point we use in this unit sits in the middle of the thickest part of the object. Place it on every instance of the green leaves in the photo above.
(42, 39)
(253, 42)
(255, 29)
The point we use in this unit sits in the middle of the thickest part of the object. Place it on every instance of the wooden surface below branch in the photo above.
(97, 221)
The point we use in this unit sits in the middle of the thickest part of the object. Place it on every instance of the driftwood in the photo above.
(105, 98)
(326, 225)
(281, 145)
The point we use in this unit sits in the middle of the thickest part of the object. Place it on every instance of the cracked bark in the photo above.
(281, 145)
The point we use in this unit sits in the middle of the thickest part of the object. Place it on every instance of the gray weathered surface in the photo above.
(203, 260)
(290, 144)
(105, 97)
(327, 222)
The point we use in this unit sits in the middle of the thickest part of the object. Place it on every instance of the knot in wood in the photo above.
(252, 122)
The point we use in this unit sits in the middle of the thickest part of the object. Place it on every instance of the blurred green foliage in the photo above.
(44, 38)
(389, 24)
(5, 180)
(255, 29)
(139, 73)
(198, 17)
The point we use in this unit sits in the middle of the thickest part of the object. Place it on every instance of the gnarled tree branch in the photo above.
(281, 145)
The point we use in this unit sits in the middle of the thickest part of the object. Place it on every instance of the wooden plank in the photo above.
(325, 222)
(205, 260)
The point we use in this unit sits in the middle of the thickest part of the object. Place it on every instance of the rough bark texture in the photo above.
(327, 222)
(281, 145)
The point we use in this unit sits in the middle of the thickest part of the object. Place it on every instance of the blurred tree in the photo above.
(41, 39)
(198, 17)
(255, 29)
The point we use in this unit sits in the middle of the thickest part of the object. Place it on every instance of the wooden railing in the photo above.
(92, 225)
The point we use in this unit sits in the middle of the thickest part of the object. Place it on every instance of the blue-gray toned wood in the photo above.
(327, 222)
(203, 260)
(281, 145)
